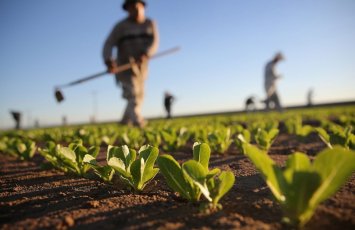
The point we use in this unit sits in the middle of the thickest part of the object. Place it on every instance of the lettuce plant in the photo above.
(301, 186)
(265, 138)
(340, 136)
(3, 143)
(169, 137)
(19, 147)
(134, 171)
(183, 137)
(266, 125)
(212, 186)
(104, 172)
(220, 139)
(153, 138)
(294, 126)
(110, 139)
(89, 137)
(69, 159)
(133, 138)
(242, 137)
(176, 179)
(193, 177)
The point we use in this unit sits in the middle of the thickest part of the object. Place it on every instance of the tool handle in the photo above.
(119, 68)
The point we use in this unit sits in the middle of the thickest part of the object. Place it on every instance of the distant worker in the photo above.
(136, 39)
(17, 117)
(168, 100)
(310, 97)
(64, 120)
(272, 98)
(250, 104)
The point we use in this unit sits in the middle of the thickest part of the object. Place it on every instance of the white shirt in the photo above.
(270, 78)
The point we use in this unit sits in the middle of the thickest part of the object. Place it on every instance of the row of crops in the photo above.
(136, 156)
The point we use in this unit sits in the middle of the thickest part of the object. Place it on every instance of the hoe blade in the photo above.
(59, 96)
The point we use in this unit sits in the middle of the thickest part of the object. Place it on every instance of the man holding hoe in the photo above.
(136, 39)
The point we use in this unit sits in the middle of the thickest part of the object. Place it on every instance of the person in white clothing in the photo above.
(272, 98)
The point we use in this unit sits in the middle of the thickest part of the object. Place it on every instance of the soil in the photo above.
(36, 198)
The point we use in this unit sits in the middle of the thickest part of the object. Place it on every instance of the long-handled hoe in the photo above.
(60, 97)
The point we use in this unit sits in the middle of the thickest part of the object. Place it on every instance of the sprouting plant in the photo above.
(134, 171)
(50, 154)
(220, 139)
(104, 172)
(88, 136)
(301, 186)
(194, 178)
(3, 143)
(169, 137)
(265, 138)
(295, 126)
(20, 147)
(69, 159)
(183, 137)
(212, 186)
(267, 125)
(153, 138)
(175, 178)
(242, 137)
(340, 136)
(110, 139)
(133, 138)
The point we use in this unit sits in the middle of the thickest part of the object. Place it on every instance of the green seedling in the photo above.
(193, 177)
(183, 136)
(169, 137)
(265, 138)
(153, 138)
(301, 186)
(220, 139)
(340, 136)
(104, 172)
(242, 137)
(19, 147)
(134, 171)
(295, 126)
(69, 159)
(133, 138)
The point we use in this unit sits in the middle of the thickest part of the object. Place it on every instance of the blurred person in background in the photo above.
(136, 39)
(310, 97)
(17, 118)
(168, 100)
(272, 98)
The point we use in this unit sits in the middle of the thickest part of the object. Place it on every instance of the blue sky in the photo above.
(225, 45)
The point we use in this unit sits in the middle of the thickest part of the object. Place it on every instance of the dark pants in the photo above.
(168, 111)
(273, 100)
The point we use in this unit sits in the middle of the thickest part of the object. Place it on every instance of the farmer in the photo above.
(168, 100)
(270, 83)
(136, 39)
(310, 97)
(17, 118)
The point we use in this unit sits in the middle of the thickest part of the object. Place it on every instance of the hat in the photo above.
(128, 2)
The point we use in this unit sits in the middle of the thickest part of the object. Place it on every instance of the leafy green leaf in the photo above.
(201, 153)
(270, 172)
(335, 166)
(222, 185)
(197, 174)
(172, 172)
